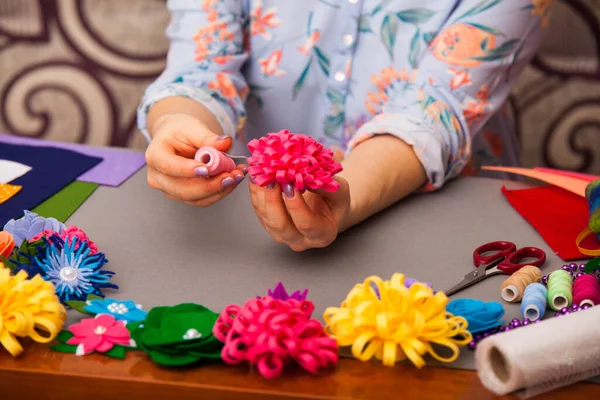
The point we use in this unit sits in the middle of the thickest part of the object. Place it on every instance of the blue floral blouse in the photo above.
(433, 73)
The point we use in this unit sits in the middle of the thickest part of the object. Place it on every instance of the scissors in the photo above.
(499, 258)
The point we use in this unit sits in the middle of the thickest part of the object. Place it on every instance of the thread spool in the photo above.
(533, 305)
(592, 194)
(586, 290)
(215, 161)
(560, 289)
(514, 287)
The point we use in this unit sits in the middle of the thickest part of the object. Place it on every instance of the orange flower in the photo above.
(269, 66)
(459, 43)
(222, 60)
(307, 47)
(212, 16)
(542, 8)
(459, 78)
(261, 21)
(7, 244)
(207, 5)
(224, 86)
(473, 110)
(483, 94)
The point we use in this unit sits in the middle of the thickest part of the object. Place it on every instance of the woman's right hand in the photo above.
(171, 165)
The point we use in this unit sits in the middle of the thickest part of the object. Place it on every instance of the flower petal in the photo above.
(105, 320)
(117, 331)
(104, 346)
(83, 329)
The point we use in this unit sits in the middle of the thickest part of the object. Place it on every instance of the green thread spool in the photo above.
(592, 194)
(560, 289)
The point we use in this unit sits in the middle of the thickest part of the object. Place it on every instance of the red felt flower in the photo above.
(284, 157)
(270, 333)
(71, 231)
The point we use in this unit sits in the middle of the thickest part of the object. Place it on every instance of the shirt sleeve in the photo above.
(436, 101)
(204, 61)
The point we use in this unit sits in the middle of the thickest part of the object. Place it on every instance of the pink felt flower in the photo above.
(71, 231)
(99, 334)
(284, 157)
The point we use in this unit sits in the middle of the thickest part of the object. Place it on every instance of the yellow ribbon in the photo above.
(580, 238)
(400, 324)
(28, 308)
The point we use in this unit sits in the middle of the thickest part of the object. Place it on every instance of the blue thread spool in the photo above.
(533, 305)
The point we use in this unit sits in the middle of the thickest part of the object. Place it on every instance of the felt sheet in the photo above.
(7, 191)
(11, 170)
(569, 183)
(578, 175)
(558, 215)
(116, 167)
(64, 203)
(52, 170)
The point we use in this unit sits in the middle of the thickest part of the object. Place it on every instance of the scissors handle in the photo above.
(513, 262)
(499, 250)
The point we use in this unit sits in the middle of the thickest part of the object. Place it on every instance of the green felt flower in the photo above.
(178, 335)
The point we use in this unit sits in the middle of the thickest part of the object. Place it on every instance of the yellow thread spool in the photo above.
(514, 287)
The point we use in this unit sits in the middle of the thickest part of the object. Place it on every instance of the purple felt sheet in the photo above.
(117, 165)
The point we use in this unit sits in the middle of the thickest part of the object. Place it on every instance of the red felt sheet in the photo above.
(558, 215)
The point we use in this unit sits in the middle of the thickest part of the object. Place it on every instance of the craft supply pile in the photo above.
(48, 267)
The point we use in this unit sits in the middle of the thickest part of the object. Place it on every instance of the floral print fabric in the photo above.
(432, 73)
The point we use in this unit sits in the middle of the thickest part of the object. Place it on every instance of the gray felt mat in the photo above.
(165, 252)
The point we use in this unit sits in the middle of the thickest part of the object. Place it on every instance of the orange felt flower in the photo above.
(7, 244)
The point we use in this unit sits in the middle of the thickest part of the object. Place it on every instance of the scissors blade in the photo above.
(469, 279)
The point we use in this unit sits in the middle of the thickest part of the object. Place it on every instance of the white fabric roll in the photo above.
(543, 356)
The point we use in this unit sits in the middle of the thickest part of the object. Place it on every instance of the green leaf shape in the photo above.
(64, 348)
(479, 8)
(415, 49)
(93, 297)
(380, 7)
(20, 255)
(64, 336)
(174, 360)
(332, 123)
(415, 15)
(300, 82)
(322, 59)
(499, 52)
(78, 306)
(336, 98)
(117, 352)
(364, 24)
(485, 28)
(428, 37)
(592, 265)
(389, 28)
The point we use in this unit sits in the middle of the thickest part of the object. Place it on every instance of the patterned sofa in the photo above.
(74, 70)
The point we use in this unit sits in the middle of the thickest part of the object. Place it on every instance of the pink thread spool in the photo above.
(216, 161)
(586, 290)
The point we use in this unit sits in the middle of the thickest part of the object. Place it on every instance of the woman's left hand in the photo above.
(301, 221)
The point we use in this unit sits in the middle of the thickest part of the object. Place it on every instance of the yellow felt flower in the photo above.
(387, 320)
(28, 308)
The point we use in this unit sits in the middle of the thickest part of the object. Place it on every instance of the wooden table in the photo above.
(130, 212)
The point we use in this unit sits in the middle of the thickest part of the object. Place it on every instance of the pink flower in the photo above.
(99, 334)
(71, 231)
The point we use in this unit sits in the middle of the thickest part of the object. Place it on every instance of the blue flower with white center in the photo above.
(74, 272)
(122, 310)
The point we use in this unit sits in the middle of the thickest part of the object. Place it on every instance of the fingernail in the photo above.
(252, 179)
(222, 137)
(227, 182)
(270, 186)
(289, 190)
(201, 171)
(244, 171)
(239, 178)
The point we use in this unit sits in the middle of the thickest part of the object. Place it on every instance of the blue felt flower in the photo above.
(480, 315)
(122, 310)
(74, 272)
(30, 225)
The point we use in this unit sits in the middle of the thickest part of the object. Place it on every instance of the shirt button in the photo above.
(339, 76)
(347, 39)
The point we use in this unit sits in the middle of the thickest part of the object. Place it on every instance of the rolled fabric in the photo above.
(541, 357)
(216, 161)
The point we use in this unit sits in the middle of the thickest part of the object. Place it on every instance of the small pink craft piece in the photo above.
(71, 231)
(271, 333)
(285, 157)
(99, 334)
(215, 161)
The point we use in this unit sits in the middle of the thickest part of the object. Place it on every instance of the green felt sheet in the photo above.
(64, 203)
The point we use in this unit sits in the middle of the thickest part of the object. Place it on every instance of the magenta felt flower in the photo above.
(99, 334)
(71, 231)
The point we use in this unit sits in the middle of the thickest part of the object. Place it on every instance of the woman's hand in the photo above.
(171, 165)
(301, 221)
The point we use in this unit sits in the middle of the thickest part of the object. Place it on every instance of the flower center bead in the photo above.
(68, 274)
(118, 308)
(192, 334)
(100, 330)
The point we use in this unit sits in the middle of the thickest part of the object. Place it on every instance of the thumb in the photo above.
(222, 143)
(340, 195)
